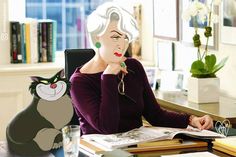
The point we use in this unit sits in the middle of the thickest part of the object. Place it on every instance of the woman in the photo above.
(111, 93)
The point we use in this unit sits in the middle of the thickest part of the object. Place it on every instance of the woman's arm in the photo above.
(99, 108)
(153, 113)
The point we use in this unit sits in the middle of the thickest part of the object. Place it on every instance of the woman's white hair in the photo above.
(99, 19)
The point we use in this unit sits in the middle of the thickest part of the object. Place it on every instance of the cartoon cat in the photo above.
(36, 129)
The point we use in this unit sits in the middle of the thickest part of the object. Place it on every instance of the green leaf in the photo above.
(197, 67)
(219, 65)
(210, 61)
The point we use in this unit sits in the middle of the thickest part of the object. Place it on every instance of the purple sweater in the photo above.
(101, 109)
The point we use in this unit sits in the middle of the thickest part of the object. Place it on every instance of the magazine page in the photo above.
(142, 134)
(146, 134)
(190, 131)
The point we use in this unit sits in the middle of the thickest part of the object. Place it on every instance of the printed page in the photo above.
(142, 134)
(190, 131)
(145, 134)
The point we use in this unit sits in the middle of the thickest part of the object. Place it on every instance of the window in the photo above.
(70, 16)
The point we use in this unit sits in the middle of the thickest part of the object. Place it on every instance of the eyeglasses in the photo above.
(121, 87)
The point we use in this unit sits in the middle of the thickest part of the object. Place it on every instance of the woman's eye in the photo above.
(115, 37)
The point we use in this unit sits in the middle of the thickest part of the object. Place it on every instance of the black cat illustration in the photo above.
(37, 129)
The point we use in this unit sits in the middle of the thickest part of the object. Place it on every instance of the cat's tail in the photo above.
(29, 148)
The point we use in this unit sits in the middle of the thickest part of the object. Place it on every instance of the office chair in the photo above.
(73, 59)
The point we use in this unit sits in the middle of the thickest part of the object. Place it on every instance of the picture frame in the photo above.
(228, 22)
(171, 81)
(166, 19)
(165, 55)
(187, 31)
(151, 73)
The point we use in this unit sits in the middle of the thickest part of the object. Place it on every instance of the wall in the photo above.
(9, 10)
(227, 75)
(185, 55)
(147, 27)
(4, 33)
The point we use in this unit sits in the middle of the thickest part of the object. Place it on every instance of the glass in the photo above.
(75, 28)
(74, 41)
(71, 139)
(59, 42)
(55, 13)
(34, 11)
(53, 1)
(71, 18)
(74, 21)
(33, 1)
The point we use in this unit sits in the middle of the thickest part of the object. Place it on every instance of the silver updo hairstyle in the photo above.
(99, 19)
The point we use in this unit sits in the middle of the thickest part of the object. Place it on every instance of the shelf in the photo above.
(36, 67)
(13, 68)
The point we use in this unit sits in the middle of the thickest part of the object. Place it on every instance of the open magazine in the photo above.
(146, 134)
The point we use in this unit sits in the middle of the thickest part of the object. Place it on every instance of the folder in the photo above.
(226, 145)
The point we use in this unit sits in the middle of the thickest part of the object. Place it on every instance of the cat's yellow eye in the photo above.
(55, 80)
(44, 81)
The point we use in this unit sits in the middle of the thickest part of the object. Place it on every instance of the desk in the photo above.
(181, 151)
(177, 101)
(59, 153)
(167, 152)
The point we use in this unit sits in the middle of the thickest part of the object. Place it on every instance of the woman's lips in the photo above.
(118, 54)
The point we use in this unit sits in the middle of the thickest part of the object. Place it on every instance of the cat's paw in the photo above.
(57, 145)
(45, 138)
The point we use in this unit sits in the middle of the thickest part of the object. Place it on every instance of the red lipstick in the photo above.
(118, 54)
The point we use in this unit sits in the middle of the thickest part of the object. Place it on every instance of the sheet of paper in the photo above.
(195, 154)
(145, 134)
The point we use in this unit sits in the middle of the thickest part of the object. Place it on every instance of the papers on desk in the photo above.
(195, 154)
(226, 145)
(145, 134)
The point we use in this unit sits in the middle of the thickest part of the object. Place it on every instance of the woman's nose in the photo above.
(121, 45)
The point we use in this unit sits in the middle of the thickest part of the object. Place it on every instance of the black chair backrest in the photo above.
(75, 58)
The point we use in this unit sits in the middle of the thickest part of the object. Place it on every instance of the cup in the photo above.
(71, 139)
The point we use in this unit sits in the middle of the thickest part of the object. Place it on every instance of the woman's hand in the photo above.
(115, 68)
(204, 122)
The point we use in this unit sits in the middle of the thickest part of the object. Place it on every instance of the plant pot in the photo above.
(203, 90)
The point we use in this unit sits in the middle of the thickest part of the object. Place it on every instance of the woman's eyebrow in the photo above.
(116, 32)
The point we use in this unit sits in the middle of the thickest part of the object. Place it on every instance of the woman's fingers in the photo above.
(123, 67)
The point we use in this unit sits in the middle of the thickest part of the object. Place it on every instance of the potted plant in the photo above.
(203, 86)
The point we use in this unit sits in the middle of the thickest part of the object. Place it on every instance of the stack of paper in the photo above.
(146, 139)
(226, 145)
(195, 154)
(146, 134)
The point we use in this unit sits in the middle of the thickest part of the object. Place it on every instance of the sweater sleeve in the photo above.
(100, 111)
(156, 115)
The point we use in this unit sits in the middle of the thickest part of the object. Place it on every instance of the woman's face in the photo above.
(114, 43)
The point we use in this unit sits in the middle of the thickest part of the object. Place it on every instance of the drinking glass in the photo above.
(71, 139)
